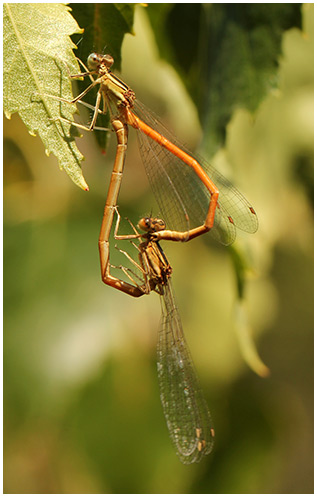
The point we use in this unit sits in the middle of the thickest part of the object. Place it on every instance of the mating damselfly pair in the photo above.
(194, 199)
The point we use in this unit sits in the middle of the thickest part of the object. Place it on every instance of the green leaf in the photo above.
(37, 49)
(231, 56)
(241, 318)
(241, 269)
(246, 340)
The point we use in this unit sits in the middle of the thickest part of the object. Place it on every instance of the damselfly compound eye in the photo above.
(158, 224)
(93, 61)
(108, 60)
(145, 224)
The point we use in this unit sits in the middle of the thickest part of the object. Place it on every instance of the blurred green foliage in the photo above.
(226, 54)
(81, 401)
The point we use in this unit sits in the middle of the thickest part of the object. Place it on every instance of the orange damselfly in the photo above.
(185, 408)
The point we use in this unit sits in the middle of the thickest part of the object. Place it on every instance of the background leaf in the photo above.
(36, 48)
(231, 57)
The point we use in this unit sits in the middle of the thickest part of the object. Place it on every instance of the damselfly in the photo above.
(185, 408)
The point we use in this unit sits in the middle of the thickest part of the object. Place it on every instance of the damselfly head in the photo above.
(95, 60)
(151, 224)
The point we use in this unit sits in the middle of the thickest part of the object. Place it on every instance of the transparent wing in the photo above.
(185, 409)
(182, 197)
